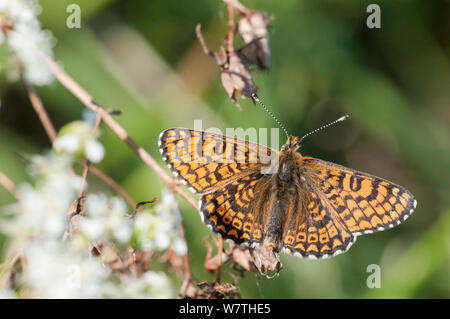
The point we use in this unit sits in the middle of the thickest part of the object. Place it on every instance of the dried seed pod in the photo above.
(253, 28)
(235, 76)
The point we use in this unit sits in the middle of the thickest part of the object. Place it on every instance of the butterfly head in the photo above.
(291, 144)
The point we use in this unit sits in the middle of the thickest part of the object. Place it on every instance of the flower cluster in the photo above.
(71, 243)
(159, 230)
(27, 39)
(36, 227)
(79, 139)
(105, 219)
(67, 268)
(152, 284)
(42, 210)
(152, 229)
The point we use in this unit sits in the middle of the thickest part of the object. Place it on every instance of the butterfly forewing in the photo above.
(207, 161)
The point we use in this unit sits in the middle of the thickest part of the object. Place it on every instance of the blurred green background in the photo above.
(143, 58)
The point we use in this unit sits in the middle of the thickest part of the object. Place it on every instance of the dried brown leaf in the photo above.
(214, 290)
(253, 28)
(175, 261)
(212, 264)
(235, 76)
(243, 258)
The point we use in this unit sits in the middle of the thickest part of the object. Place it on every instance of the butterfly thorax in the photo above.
(284, 185)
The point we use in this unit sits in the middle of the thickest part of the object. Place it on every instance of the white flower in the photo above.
(42, 211)
(122, 232)
(79, 138)
(68, 143)
(168, 206)
(158, 231)
(159, 284)
(93, 228)
(162, 241)
(94, 151)
(105, 219)
(151, 231)
(150, 285)
(7, 294)
(28, 40)
(55, 270)
(179, 246)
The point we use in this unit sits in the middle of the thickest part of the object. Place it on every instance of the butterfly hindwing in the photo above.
(208, 161)
(312, 231)
(230, 211)
(361, 202)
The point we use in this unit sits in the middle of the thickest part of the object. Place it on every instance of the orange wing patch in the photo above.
(229, 210)
(361, 202)
(205, 162)
(318, 234)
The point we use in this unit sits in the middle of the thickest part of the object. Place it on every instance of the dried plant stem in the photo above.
(219, 255)
(201, 39)
(40, 110)
(83, 179)
(9, 185)
(87, 163)
(188, 277)
(7, 268)
(239, 7)
(231, 26)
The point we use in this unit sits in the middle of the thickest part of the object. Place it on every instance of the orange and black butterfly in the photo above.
(302, 205)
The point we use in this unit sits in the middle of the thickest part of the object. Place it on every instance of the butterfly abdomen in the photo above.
(284, 190)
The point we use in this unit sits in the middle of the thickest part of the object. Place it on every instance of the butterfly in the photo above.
(254, 195)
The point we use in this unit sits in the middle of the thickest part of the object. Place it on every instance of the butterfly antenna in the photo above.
(256, 98)
(342, 118)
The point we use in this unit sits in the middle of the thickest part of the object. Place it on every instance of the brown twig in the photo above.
(239, 7)
(201, 39)
(139, 205)
(188, 277)
(87, 163)
(83, 179)
(10, 268)
(77, 207)
(9, 185)
(231, 26)
(39, 109)
(219, 255)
